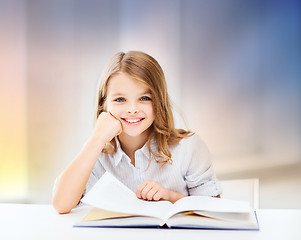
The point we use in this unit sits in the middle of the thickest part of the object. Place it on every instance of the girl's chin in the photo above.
(129, 133)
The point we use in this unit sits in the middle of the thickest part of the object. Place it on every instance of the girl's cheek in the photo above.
(108, 108)
(113, 110)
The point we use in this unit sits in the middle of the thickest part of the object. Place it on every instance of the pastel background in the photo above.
(233, 70)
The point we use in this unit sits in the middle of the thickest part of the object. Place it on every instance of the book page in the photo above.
(192, 220)
(210, 204)
(100, 214)
(112, 195)
(225, 216)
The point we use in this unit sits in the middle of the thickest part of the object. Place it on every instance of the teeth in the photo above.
(133, 120)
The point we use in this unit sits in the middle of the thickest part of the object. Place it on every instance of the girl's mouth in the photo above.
(132, 121)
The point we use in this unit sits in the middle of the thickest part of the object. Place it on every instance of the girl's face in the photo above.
(131, 102)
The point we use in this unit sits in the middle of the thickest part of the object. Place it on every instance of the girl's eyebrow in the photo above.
(122, 94)
(117, 94)
(146, 92)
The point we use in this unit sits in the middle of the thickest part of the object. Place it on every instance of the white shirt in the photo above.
(191, 172)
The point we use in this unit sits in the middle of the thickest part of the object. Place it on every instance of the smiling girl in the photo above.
(135, 140)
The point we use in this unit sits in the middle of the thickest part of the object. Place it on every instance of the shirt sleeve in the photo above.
(91, 181)
(200, 177)
(95, 175)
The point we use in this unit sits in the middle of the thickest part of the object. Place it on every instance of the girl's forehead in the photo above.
(126, 84)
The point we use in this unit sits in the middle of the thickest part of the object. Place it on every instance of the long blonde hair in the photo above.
(144, 68)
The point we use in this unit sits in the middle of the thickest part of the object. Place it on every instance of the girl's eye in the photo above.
(145, 98)
(120, 99)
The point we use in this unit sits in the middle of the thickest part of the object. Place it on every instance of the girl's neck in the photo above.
(130, 144)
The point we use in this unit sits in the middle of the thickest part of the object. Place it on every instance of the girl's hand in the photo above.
(151, 190)
(107, 127)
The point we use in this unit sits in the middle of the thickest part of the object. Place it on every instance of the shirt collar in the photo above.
(153, 147)
(117, 156)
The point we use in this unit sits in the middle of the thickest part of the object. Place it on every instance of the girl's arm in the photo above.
(72, 182)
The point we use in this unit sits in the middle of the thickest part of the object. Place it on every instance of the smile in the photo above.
(132, 121)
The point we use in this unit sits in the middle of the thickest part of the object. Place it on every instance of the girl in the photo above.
(135, 140)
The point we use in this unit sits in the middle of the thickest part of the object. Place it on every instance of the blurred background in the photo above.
(233, 71)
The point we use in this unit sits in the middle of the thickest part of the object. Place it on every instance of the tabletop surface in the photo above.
(31, 221)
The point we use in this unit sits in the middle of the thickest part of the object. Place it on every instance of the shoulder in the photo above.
(105, 158)
(192, 141)
(194, 147)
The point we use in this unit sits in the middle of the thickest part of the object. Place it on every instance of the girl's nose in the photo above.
(132, 109)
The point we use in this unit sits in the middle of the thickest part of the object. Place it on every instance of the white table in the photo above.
(22, 221)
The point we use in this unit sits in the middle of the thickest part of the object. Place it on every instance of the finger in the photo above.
(140, 188)
(112, 114)
(157, 196)
(145, 190)
(151, 193)
(121, 127)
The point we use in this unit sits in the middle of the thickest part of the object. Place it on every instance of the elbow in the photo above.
(62, 210)
(60, 207)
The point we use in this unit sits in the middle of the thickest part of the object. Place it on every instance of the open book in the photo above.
(115, 205)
